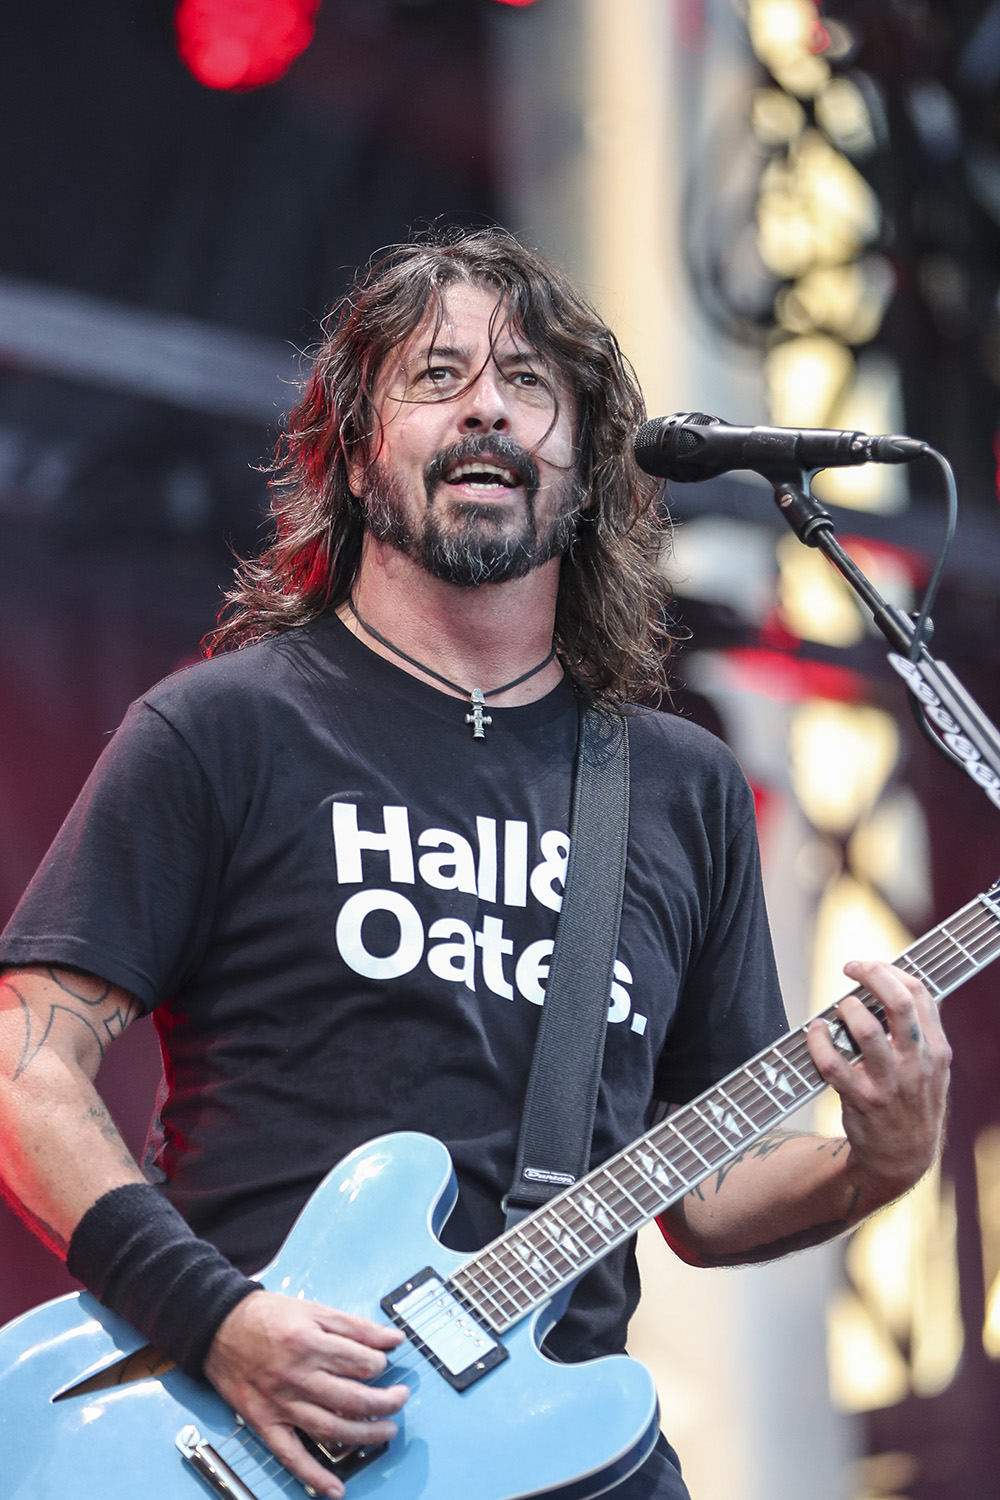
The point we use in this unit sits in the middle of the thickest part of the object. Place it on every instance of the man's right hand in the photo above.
(282, 1363)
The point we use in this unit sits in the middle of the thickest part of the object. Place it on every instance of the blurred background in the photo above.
(788, 212)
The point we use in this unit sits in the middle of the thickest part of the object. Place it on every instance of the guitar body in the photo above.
(528, 1425)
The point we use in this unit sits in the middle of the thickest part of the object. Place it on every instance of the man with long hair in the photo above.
(329, 860)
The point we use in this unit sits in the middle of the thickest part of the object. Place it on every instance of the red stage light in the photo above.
(242, 44)
(515, 2)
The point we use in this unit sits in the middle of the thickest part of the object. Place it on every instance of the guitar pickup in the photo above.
(341, 1460)
(457, 1343)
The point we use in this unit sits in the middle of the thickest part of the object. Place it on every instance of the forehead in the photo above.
(465, 319)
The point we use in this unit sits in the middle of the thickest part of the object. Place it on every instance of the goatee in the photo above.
(465, 543)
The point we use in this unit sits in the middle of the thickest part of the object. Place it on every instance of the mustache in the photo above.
(501, 450)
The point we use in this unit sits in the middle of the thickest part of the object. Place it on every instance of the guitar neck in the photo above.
(560, 1241)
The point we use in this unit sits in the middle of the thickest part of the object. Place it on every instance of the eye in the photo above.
(436, 374)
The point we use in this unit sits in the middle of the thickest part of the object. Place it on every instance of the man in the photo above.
(334, 877)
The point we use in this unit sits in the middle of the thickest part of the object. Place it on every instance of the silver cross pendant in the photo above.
(478, 718)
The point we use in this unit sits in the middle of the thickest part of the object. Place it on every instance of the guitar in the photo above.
(87, 1409)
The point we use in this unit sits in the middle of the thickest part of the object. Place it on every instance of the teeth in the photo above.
(463, 471)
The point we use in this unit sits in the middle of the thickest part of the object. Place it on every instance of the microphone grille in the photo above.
(684, 443)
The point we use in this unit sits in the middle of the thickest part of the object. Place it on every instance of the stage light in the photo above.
(243, 44)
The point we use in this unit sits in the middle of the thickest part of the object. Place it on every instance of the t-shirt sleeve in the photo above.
(126, 891)
(730, 1007)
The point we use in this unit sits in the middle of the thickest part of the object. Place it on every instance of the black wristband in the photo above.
(137, 1255)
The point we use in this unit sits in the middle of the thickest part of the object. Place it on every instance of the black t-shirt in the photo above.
(340, 909)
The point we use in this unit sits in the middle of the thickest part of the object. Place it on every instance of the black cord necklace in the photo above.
(477, 698)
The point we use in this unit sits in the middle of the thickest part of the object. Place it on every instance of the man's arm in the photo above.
(791, 1190)
(280, 1362)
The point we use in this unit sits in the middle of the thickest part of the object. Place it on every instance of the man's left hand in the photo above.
(893, 1097)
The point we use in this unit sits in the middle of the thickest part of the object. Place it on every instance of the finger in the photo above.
(908, 1008)
(344, 1356)
(337, 1428)
(349, 1398)
(361, 1330)
(831, 1064)
(288, 1448)
(874, 1045)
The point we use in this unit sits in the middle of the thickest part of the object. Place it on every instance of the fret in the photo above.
(808, 1085)
(576, 1247)
(562, 1238)
(660, 1172)
(642, 1191)
(733, 1102)
(720, 1125)
(631, 1197)
(552, 1246)
(689, 1144)
(775, 1081)
(603, 1197)
(533, 1258)
(911, 965)
(499, 1278)
(959, 945)
(516, 1249)
(991, 905)
(492, 1317)
(594, 1211)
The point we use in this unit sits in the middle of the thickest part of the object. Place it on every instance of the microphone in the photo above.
(690, 446)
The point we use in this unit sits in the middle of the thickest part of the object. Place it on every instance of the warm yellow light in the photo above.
(872, 403)
(781, 30)
(806, 377)
(852, 921)
(891, 850)
(842, 112)
(880, 1263)
(840, 757)
(776, 118)
(937, 1336)
(813, 600)
(987, 1151)
(866, 1368)
(849, 301)
(814, 209)
(782, 34)
(904, 1265)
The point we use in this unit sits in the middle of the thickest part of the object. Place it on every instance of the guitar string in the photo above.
(972, 924)
(691, 1131)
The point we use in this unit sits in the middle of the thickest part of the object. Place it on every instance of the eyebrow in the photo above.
(433, 351)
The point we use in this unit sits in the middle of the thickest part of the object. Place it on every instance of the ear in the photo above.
(356, 476)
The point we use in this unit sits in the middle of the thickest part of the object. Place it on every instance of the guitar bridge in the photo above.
(207, 1462)
(457, 1343)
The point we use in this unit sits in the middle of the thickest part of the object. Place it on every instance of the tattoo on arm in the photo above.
(766, 1145)
(802, 1239)
(103, 1009)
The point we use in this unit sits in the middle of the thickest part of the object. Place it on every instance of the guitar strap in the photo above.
(553, 1149)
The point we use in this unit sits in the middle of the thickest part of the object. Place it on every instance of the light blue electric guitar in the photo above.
(87, 1411)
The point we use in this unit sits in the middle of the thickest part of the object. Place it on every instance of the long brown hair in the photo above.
(609, 626)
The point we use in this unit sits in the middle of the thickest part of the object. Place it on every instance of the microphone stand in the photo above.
(967, 736)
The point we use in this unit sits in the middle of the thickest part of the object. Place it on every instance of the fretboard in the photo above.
(560, 1241)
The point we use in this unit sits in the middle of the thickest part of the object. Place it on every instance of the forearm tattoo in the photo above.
(104, 1009)
(802, 1239)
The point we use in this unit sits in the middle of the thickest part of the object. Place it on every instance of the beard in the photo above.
(464, 543)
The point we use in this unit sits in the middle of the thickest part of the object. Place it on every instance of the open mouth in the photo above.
(481, 473)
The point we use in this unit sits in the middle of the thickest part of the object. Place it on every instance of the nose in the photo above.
(484, 405)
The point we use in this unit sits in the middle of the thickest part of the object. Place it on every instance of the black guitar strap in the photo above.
(558, 1122)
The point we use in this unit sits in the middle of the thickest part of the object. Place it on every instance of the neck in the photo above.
(477, 637)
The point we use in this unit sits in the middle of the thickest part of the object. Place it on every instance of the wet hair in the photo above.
(609, 627)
